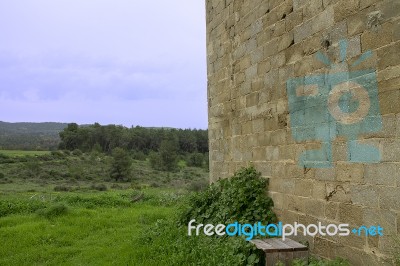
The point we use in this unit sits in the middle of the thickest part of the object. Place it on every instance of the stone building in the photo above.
(308, 91)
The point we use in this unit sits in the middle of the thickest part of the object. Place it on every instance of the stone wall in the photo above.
(308, 91)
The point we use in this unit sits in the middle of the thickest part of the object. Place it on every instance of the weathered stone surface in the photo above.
(254, 48)
(347, 172)
(382, 174)
(365, 196)
(373, 39)
(386, 55)
(331, 211)
(314, 25)
(352, 214)
(345, 8)
(389, 102)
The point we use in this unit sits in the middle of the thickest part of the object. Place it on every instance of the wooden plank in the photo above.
(278, 245)
(286, 258)
(301, 255)
(271, 259)
(277, 249)
(261, 244)
(296, 245)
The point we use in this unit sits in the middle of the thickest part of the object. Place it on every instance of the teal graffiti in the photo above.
(325, 106)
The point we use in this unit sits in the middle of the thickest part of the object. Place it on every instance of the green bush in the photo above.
(57, 154)
(19, 206)
(62, 188)
(195, 159)
(155, 161)
(54, 211)
(99, 187)
(138, 155)
(77, 152)
(2, 176)
(174, 247)
(96, 201)
(4, 156)
(121, 165)
(242, 198)
(198, 185)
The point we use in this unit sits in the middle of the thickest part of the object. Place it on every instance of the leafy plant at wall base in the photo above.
(242, 198)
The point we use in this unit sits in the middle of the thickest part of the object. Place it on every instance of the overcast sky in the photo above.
(130, 62)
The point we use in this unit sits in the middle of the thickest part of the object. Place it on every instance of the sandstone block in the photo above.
(386, 58)
(252, 99)
(351, 214)
(388, 198)
(389, 102)
(385, 174)
(373, 39)
(259, 153)
(350, 172)
(303, 188)
(314, 207)
(391, 150)
(332, 211)
(345, 8)
(365, 196)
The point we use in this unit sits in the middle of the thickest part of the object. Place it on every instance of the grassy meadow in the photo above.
(18, 153)
(63, 209)
(100, 230)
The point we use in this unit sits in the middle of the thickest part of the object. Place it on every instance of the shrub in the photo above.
(198, 185)
(174, 247)
(155, 160)
(242, 198)
(4, 156)
(166, 159)
(138, 155)
(2, 176)
(116, 186)
(53, 211)
(44, 157)
(77, 152)
(99, 187)
(57, 154)
(121, 164)
(33, 168)
(196, 159)
(62, 188)
(18, 206)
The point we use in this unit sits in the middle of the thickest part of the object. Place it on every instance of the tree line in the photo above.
(107, 138)
(163, 147)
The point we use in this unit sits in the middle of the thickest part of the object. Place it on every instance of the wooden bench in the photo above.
(278, 250)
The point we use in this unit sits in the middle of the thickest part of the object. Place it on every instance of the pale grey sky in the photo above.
(123, 61)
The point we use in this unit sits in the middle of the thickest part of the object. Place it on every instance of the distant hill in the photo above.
(30, 136)
(31, 128)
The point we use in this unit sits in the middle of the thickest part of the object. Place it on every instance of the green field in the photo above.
(16, 153)
(100, 230)
(62, 208)
(65, 210)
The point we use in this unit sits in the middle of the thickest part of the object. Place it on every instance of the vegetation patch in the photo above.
(242, 198)
(53, 211)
